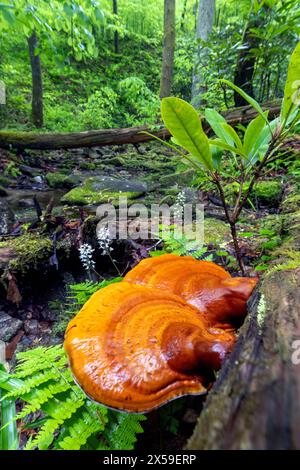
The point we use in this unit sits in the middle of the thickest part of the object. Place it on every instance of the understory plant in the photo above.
(244, 159)
(53, 413)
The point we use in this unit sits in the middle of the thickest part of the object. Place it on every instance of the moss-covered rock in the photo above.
(265, 193)
(97, 190)
(62, 180)
(215, 231)
(27, 252)
(291, 204)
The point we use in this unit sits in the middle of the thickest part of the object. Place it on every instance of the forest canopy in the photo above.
(97, 64)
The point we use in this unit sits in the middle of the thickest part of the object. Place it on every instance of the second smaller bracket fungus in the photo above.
(135, 348)
(221, 299)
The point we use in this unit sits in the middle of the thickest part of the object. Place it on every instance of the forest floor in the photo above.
(48, 202)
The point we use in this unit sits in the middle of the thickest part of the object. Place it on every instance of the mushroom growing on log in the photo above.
(222, 299)
(135, 347)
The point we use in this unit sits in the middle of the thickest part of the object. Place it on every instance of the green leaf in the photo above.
(230, 148)
(253, 131)
(8, 431)
(292, 85)
(183, 122)
(229, 129)
(216, 121)
(248, 98)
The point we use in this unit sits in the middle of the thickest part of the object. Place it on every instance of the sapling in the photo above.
(250, 156)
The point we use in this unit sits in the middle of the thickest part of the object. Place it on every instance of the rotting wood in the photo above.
(98, 138)
(254, 404)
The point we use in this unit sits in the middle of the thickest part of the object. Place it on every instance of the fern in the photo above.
(42, 380)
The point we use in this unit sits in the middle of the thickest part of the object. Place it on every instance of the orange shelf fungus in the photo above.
(153, 337)
(221, 298)
(135, 348)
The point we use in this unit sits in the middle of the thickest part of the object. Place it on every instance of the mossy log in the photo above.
(254, 404)
(98, 138)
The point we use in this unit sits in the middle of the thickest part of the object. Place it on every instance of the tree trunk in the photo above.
(254, 404)
(246, 64)
(116, 34)
(168, 49)
(205, 21)
(182, 20)
(98, 138)
(37, 85)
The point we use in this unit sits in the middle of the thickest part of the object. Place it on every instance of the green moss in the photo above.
(291, 203)
(266, 193)
(30, 251)
(215, 231)
(56, 180)
(94, 192)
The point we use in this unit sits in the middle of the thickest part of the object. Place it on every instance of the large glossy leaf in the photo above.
(292, 85)
(230, 148)
(251, 144)
(229, 129)
(183, 122)
(216, 121)
(248, 98)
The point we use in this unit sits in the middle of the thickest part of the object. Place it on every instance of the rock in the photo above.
(3, 192)
(8, 327)
(61, 180)
(29, 171)
(38, 179)
(31, 327)
(7, 218)
(101, 189)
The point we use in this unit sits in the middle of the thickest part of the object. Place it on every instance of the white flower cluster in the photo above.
(104, 241)
(180, 201)
(86, 256)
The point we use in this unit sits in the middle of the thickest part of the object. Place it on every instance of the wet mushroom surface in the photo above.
(136, 347)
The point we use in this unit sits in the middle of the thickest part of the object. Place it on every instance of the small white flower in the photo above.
(86, 256)
(104, 241)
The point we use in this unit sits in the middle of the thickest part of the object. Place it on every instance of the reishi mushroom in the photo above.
(221, 298)
(155, 336)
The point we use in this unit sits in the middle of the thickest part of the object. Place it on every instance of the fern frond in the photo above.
(123, 430)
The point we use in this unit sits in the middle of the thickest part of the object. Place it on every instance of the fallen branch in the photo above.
(98, 138)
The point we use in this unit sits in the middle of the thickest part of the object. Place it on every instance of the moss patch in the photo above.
(215, 231)
(30, 250)
(101, 190)
(266, 193)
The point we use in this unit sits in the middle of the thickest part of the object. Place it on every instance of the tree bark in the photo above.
(116, 34)
(254, 404)
(37, 84)
(168, 49)
(205, 21)
(246, 64)
(98, 138)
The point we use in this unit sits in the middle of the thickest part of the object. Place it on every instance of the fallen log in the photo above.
(98, 138)
(254, 404)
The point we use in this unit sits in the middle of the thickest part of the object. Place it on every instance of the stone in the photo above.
(7, 218)
(9, 327)
(3, 192)
(31, 327)
(101, 189)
